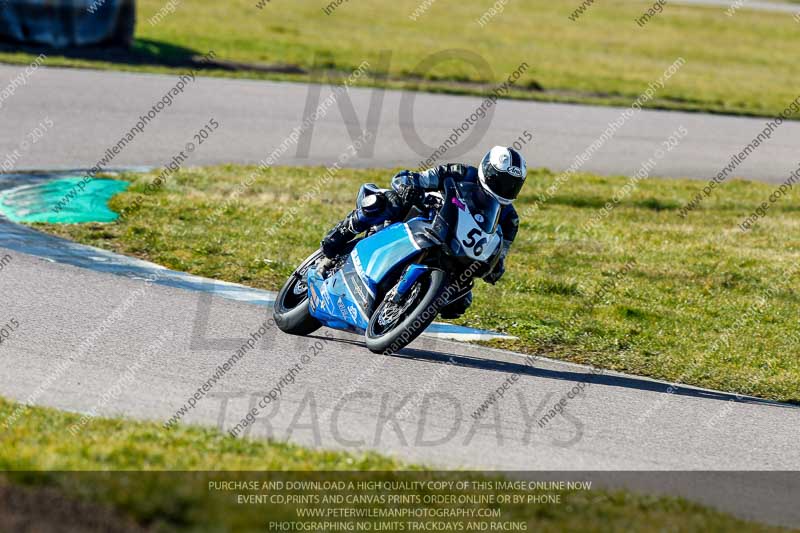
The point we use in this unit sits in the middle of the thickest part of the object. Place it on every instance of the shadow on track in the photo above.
(629, 382)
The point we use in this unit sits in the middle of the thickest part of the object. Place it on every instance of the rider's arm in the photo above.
(509, 225)
(509, 222)
(427, 180)
(431, 179)
(412, 186)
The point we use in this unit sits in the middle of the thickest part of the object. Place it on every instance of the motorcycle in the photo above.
(391, 284)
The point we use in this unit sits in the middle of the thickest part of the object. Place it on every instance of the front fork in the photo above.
(409, 278)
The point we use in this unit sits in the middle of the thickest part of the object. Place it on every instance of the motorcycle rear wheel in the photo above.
(394, 325)
(290, 311)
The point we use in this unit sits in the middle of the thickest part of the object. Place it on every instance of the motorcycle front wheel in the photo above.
(395, 324)
(291, 312)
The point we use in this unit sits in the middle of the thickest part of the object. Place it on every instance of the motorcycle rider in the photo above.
(501, 174)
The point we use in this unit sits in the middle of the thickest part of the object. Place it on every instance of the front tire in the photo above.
(290, 311)
(394, 325)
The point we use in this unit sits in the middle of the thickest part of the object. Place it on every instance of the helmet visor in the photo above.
(502, 183)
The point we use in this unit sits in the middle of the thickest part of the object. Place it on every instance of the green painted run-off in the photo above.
(35, 203)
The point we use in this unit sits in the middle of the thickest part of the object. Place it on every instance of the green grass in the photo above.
(41, 441)
(683, 311)
(742, 64)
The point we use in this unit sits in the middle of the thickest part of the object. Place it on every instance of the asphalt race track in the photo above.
(91, 110)
(748, 5)
(418, 404)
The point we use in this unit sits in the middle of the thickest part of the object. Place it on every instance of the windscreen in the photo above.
(485, 209)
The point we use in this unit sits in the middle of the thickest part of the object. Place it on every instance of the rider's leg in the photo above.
(374, 206)
(341, 234)
(457, 308)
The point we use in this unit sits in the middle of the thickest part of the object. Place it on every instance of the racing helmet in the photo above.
(502, 173)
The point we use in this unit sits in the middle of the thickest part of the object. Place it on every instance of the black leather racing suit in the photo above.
(393, 205)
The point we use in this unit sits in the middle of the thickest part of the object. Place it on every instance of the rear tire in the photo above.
(291, 312)
(391, 338)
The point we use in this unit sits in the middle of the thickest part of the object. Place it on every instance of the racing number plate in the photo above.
(477, 244)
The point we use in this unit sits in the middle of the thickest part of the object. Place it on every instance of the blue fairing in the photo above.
(333, 303)
(377, 255)
(345, 300)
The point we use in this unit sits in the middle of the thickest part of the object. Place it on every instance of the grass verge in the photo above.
(109, 451)
(645, 291)
(742, 64)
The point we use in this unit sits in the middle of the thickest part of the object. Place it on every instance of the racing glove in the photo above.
(496, 273)
(453, 170)
(394, 202)
(408, 189)
(500, 267)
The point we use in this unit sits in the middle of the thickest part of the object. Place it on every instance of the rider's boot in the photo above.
(334, 242)
(373, 207)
